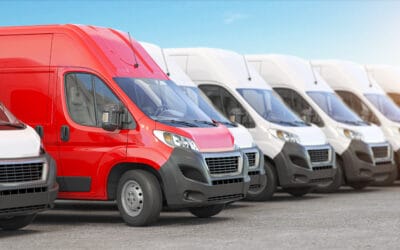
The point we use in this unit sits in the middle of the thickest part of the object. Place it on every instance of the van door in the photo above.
(84, 146)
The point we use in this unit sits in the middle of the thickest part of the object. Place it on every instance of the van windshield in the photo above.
(163, 101)
(7, 119)
(385, 106)
(331, 104)
(395, 97)
(270, 107)
(205, 105)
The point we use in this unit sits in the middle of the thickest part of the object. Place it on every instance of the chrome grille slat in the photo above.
(23, 172)
(318, 155)
(251, 159)
(380, 151)
(223, 165)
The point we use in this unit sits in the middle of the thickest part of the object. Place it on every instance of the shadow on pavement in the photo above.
(17, 233)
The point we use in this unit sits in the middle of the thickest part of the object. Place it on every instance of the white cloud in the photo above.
(233, 17)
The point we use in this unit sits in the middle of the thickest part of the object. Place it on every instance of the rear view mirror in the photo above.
(111, 117)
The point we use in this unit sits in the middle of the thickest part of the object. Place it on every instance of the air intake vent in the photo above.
(223, 165)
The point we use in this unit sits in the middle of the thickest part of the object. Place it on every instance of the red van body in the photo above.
(36, 62)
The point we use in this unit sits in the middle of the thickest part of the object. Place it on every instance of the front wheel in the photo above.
(16, 222)
(268, 190)
(139, 198)
(298, 192)
(206, 212)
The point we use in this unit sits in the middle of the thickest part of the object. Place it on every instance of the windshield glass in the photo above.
(205, 105)
(163, 101)
(270, 107)
(395, 97)
(385, 106)
(331, 104)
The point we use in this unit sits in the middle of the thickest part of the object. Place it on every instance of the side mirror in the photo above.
(111, 117)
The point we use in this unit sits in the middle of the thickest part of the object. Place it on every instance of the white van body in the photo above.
(292, 76)
(353, 79)
(230, 72)
(242, 137)
(388, 77)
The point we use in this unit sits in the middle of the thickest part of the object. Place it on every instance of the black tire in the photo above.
(298, 192)
(139, 198)
(359, 185)
(388, 181)
(338, 181)
(269, 188)
(16, 222)
(206, 212)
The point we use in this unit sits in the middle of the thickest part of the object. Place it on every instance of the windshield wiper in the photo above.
(352, 122)
(14, 125)
(204, 122)
(227, 123)
(186, 123)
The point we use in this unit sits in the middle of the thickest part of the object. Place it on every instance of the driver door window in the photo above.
(224, 102)
(300, 106)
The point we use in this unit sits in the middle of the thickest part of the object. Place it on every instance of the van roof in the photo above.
(102, 49)
(168, 65)
(288, 71)
(217, 65)
(387, 76)
(346, 75)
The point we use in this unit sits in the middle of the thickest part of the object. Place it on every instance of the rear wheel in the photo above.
(16, 222)
(139, 198)
(336, 182)
(269, 188)
(298, 192)
(206, 212)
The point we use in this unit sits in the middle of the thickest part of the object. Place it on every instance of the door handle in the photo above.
(64, 133)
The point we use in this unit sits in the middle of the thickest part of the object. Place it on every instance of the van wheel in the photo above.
(16, 222)
(359, 185)
(389, 180)
(269, 188)
(139, 198)
(206, 212)
(337, 181)
(298, 192)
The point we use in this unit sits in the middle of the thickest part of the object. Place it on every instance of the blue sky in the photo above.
(362, 31)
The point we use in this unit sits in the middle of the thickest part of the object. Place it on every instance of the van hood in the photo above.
(211, 139)
(371, 134)
(242, 137)
(309, 135)
(19, 143)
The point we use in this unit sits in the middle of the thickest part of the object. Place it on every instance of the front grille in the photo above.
(322, 167)
(22, 209)
(380, 151)
(227, 181)
(226, 197)
(23, 191)
(21, 172)
(318, 155)
(251, 159)
(223, 165)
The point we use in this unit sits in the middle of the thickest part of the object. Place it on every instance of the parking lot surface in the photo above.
(367, 219)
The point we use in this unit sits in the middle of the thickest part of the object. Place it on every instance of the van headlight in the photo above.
(350, 134)
(174, 140)
(284, 135)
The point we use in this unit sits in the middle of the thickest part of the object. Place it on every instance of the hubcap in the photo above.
(132, 198)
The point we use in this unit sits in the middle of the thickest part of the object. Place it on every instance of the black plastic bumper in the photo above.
(358, 164)
(27, 198)
(295, 170)
(187, 182)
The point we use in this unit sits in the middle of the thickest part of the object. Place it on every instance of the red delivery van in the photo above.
(116, 126)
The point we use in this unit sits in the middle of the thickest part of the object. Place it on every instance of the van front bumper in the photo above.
(296, 169)
(359, 164)
(188, 182)
(20, 198)
(255, 161)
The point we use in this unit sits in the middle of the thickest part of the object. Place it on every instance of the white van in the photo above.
(363, 153)
(365, 97)
(27, 173)
(388, 77)
(297, 156)
(242, 137)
